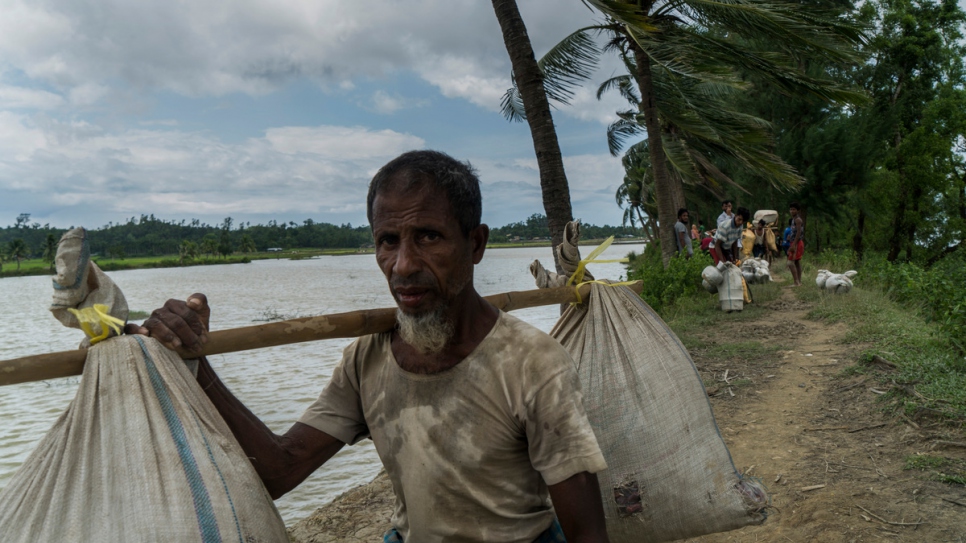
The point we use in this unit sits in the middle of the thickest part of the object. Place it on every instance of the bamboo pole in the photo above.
(338, 325)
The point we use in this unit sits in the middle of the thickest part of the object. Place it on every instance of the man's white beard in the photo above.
(427, 333)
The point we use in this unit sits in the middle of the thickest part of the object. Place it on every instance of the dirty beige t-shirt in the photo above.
(471, 450)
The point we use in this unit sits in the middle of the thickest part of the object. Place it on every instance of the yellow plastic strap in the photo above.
(578, 275)
(97, 314)
(598, 282)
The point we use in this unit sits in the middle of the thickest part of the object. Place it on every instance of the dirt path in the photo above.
(832, 460)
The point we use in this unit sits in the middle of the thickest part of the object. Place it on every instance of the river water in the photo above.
(276, 384)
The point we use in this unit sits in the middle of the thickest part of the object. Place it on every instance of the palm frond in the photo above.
(511, 105)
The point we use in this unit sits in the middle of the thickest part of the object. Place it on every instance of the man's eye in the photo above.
(388, 240)
(430, 236)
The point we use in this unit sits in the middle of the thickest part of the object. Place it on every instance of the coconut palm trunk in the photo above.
(529, 80)
(663, 190)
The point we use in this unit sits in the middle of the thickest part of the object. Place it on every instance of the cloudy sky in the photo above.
(272, 109)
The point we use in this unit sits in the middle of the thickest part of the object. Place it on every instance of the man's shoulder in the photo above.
(516, 342)
(367, 349)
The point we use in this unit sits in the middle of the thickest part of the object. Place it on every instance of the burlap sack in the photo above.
(140, 455)
(79, 283)
(669, 474)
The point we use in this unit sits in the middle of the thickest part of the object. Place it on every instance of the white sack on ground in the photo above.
(756, 270)
(730, 292)
(669, 474)
(835, 283)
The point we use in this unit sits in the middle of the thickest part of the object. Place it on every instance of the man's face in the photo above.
(739, 220)
(421, 249)
(726, 208)
(684, 217)
(793, 211)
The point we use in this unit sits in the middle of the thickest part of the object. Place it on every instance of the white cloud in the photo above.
(291, 171)
(387, 104)
(511, 190)
(213, 48)
(24, 98)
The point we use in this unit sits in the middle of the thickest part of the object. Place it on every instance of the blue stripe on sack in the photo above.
(224, 484)
(81, 266)
(199, 494)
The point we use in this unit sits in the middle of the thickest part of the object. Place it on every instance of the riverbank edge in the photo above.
(33, 267)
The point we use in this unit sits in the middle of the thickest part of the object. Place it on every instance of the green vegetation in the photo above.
(536, 227)
(944, 470)
(894, 315)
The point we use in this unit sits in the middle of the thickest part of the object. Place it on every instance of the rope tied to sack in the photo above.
(97, 315)
(576, 280)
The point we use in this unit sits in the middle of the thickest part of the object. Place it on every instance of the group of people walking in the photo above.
(738, 236)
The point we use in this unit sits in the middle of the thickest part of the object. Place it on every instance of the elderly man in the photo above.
(476, 416)
(728, 234)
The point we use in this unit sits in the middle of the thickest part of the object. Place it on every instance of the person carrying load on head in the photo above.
(477, 416)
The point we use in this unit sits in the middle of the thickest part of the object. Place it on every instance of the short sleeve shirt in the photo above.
(679, 229)
(727, 233)
(470, 451)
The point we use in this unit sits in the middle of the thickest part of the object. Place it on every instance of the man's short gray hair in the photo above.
(456, 179)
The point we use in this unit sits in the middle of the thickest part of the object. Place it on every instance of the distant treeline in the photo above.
(149, 236)
(536, 227)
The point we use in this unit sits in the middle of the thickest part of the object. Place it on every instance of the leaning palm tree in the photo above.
(532, 98)
(636, 194)
(677, 48)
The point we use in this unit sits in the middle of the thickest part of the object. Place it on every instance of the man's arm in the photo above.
(579, 509)
(683, 242)
(282, 462)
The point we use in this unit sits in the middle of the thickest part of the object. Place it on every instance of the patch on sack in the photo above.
(627, 496)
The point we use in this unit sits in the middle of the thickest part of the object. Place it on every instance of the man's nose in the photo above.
(408, 260)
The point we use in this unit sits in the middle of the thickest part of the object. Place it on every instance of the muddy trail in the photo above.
(833, 460)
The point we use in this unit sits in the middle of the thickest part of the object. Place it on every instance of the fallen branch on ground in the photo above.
(873, 427)
(880, 519)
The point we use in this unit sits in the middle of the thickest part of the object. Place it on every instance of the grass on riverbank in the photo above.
(909, 354)
(36, 266)
(902, 345)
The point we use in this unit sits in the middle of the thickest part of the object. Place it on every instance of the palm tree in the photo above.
(50, 250)
(637, 192)
(18, 250)
(679, 50)
(532, 99)
(247, 244)
(188, 250)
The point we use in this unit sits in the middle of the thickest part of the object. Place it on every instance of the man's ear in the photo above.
(479, 236)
